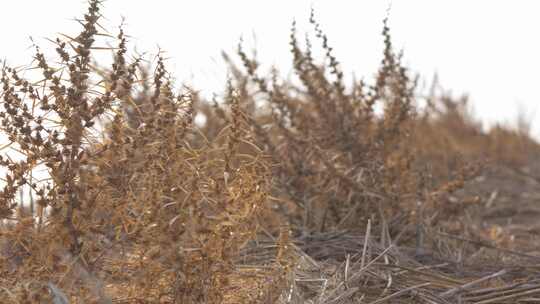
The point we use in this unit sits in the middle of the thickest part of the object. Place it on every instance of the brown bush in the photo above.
(141, 205)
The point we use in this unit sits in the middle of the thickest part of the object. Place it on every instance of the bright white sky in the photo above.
(489, 49)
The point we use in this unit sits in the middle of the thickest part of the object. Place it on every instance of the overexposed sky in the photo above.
(488, 49)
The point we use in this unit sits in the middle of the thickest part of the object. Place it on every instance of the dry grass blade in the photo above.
(399, 293)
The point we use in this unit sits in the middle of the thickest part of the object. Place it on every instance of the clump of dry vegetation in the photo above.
(293, 191)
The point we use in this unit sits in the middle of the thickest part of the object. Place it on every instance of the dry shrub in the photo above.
(152, 206)
(336, 158)
(343, 153)
(447, 132)
(141, 205)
